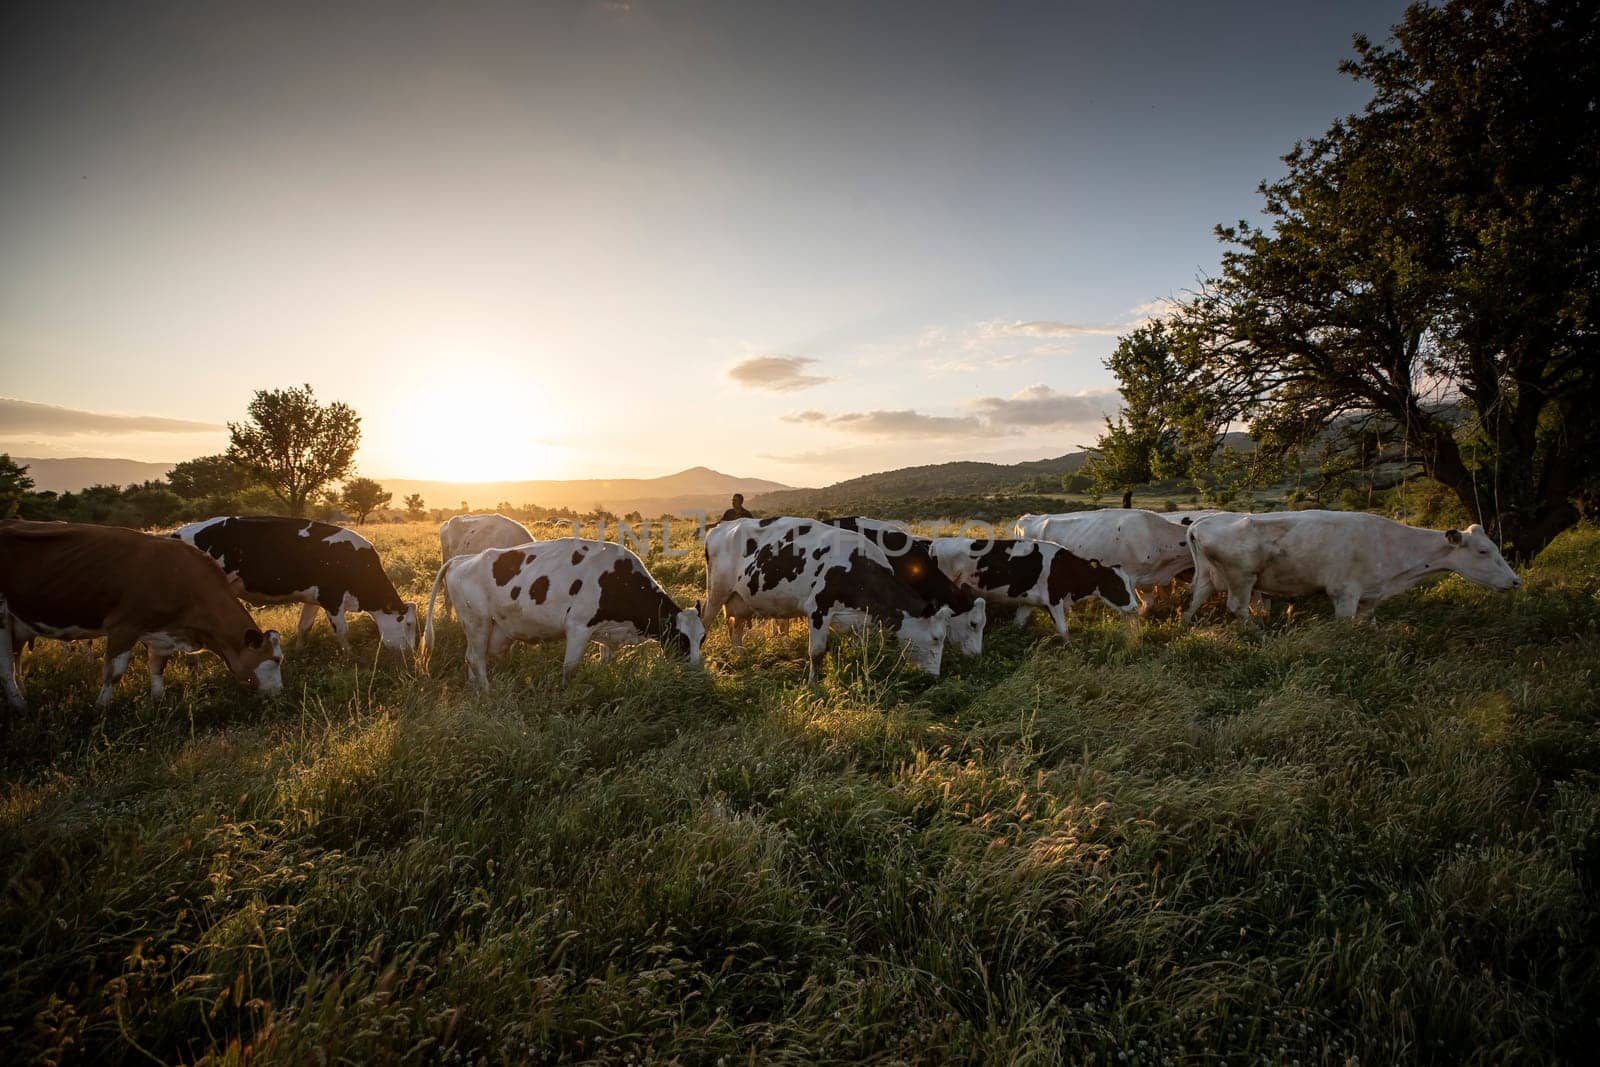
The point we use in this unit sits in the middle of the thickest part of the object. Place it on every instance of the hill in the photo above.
(960, 478)
(78, 473)
(698, 488)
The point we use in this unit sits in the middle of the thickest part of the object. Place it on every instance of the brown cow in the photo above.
(68, 581)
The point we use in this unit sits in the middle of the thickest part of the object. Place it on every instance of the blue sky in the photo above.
(795, 241)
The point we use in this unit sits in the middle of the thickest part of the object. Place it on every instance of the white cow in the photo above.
(1359, 560)
(466, 534)
(1143, 545)
(781, 568)
(1189, 518)
(564, 588)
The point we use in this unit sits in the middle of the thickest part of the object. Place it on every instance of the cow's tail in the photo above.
(427, 632)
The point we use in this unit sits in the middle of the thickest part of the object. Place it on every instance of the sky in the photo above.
(623, 237)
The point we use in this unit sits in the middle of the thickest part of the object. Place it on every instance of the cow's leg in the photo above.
(308, 619)
(478, 652)
(737, 625)
(118, 651)
(1346, 602)
(341, 627)
(158, 667)
(605, 652)
(1024, 613)
(1239, 596)
(577, 641)
(817, 649)
(1367, 612)
(1199, 592)
(782, 626)
(10, 663)
(1147, 600)
(1058, 615)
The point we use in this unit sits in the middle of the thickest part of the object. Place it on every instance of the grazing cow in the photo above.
(1141, 544)
(467, 534)
(271, 560)
(1359, 560)
(781, 568)
(914, 565)
(69, 581)
(1032, 574)
(564, 588)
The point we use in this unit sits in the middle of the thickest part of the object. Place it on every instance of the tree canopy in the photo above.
(295, 445)
(1427, 271)
(362, 496)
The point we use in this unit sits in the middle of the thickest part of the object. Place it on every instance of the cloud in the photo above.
(1048, 328)
(1041, 406)
(782, 374)
(24, 416)
(906, 423)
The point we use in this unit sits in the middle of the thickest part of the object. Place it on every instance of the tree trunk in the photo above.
(1127, 498)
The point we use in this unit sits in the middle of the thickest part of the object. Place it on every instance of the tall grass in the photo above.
(1309, 841)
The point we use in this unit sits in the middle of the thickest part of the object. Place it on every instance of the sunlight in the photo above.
(486, 424)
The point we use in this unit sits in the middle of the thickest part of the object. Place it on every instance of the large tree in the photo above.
(294, 445)
(1429, 269)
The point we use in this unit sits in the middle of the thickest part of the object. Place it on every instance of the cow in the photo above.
(467, 534)
(788, 567)
(1141, 544)
(273, 560)
(913, 564)
(71, 581)
(563, 588)
(1359, 560)
(1032, 574)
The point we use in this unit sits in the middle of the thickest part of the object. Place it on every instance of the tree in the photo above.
(1170, 425)
(151, 504)
(1426, 284)
(207, 476)
(294, 445)
(415, 508)
(363, 496)
(15, 485)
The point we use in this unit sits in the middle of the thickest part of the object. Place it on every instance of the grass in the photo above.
(1308, 841)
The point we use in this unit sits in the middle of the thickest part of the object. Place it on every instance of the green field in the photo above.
(1304, 841)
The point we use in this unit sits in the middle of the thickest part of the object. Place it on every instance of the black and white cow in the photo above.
(272, 560)
(913, 563)
(780, 568)
(1032, 574)
(567, 588)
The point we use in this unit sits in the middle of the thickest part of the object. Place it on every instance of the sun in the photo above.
(466, 428)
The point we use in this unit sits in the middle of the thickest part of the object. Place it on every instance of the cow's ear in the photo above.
(253, 638)
(1453, 536)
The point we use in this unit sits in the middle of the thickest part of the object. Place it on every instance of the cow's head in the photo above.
(965, 632)
(685, 634)
(1113, 586)
(923, 638)
(259, 662)
(1477, 559)
(397, 626)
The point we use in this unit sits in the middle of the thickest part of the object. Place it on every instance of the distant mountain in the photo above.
(960, 478)
(698, 488)
(75, 475)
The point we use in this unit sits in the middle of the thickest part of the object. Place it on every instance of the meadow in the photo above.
(1304, 841)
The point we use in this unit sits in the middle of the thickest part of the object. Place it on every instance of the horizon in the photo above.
(607, 239)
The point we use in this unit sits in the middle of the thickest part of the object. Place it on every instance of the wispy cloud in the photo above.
(1047, 328)
(1034, 408)
(25, 416)
(781, 374)
(1040, 406)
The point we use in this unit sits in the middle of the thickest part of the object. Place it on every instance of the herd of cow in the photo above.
(181, 593)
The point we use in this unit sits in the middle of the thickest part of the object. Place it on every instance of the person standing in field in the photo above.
(737, 511)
